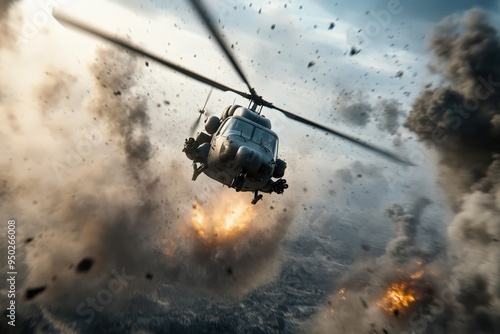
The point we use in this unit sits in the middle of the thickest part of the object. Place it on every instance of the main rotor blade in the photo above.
(214, 30)
(386, 153)
(64, 19)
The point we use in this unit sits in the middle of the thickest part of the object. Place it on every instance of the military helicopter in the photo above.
(237, 149)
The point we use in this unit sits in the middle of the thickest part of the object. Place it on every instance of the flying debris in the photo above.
(354, 51)
(311, 63)
(85, 265)
(237, 149)
(32, 293)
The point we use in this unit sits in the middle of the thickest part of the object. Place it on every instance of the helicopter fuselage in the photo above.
(242, 145)
(238, 150)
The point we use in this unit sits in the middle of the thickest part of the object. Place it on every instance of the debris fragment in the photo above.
(354, 51)
(85, 265)
(32, 293)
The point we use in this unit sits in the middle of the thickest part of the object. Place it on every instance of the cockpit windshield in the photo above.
(250, 132)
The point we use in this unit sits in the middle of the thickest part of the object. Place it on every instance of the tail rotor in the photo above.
(201, 112)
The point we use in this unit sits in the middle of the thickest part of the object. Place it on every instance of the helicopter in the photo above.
(238, 149)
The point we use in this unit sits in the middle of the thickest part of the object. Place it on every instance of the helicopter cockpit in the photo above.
(249, 132)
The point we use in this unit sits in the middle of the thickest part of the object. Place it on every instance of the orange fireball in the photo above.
(222, 223)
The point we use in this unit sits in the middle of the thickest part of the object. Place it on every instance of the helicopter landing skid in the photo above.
(256, 197)
(198, 170)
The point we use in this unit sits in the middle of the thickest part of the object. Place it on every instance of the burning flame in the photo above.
(399, 295)
(418, 275)
(342, 294)
(222, 222)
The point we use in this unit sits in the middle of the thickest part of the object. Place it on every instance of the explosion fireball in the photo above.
(222, 224)
(398, 297)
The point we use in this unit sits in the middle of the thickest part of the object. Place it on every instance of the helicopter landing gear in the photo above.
(279, 186)
(256, 197)
(198, 170)
(239, 180)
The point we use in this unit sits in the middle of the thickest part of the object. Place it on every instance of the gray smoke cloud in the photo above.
(460, 120)
(455, 288)
(356, 109)
(98, 215)
(388, 121)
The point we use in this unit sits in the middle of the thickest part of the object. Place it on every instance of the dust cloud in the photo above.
(96, 210)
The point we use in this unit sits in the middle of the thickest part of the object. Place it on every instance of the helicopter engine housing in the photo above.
(212, 124)
(203, 137)
(251, 115)
(279, 169)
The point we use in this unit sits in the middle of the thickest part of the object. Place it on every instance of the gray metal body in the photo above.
(237, 147)
(242, 145)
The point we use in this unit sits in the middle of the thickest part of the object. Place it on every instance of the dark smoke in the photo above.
(355, 108)
(125, 113)
(461, 121)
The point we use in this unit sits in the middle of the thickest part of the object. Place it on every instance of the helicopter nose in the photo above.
(248, 159)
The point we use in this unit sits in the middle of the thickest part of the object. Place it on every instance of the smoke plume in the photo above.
(453, 290)
(379, 296)
(461, 121)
